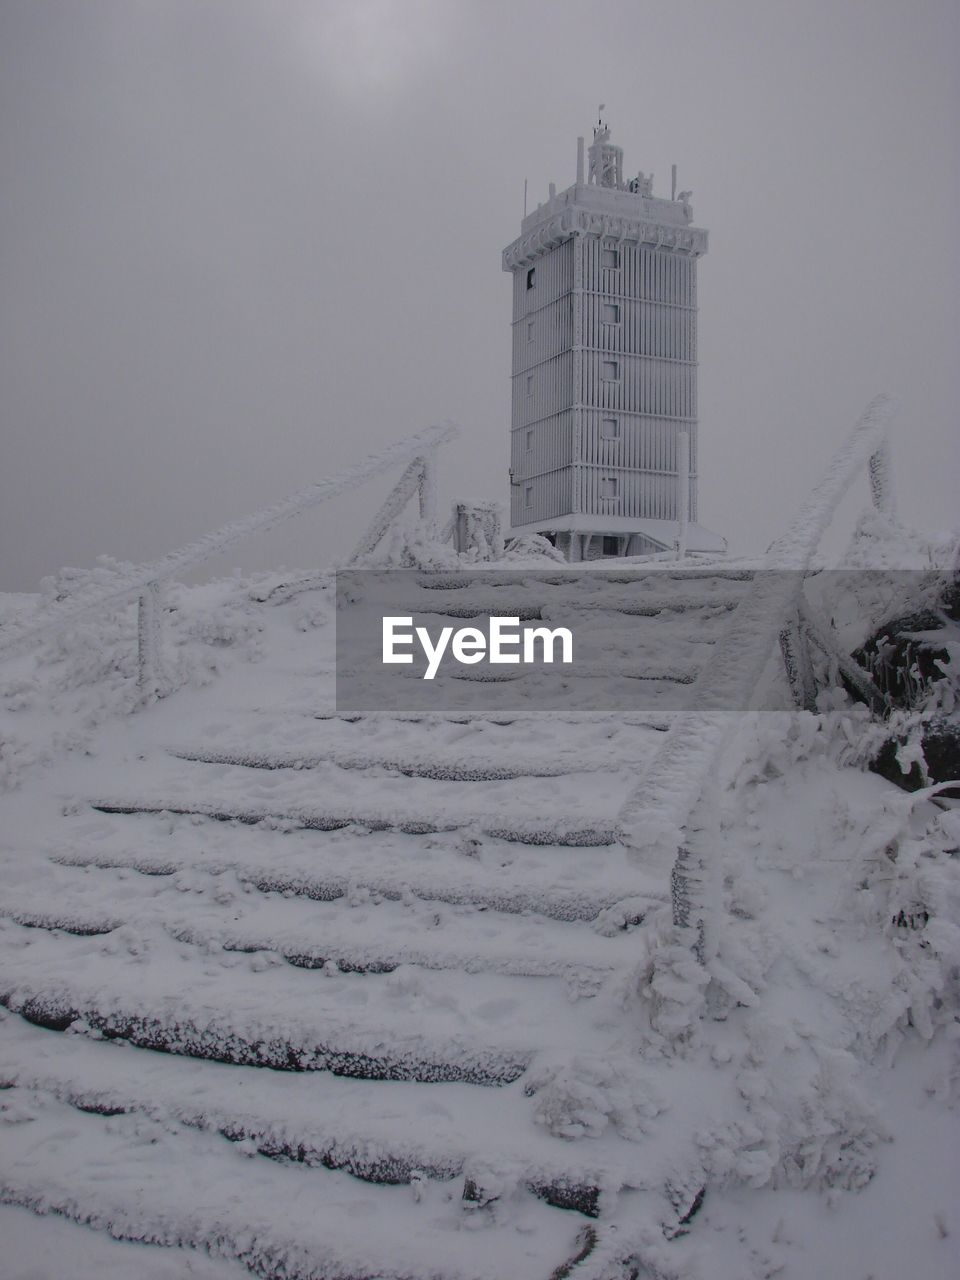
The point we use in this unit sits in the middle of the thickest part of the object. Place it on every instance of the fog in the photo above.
(245, 243)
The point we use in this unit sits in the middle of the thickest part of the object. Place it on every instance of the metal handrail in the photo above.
(144, 580)
(655, 823)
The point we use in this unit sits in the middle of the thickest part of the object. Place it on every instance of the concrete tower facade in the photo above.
(603, 455)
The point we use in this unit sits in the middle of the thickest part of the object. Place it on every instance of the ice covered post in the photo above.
(420, 478)
(428, 491)
(881, 482)
(683, 492)
(149, 660)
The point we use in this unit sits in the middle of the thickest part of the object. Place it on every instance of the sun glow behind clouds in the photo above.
(376, 46)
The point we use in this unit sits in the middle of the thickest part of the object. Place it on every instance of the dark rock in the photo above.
(477, 1196)
(902, 663)
(908, 658)
(940, 743)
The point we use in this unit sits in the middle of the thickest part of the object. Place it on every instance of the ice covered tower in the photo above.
(605, 363)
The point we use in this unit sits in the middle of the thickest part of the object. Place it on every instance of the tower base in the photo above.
(583, 538)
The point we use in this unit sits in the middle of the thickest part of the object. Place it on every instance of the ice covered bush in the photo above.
(210, 621)
(580, 1096)
(54, 696)
(16, 757)
(532, 546)
(407, 545)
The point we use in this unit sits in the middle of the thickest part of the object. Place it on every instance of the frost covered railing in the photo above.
(145, 582)
(667, 820)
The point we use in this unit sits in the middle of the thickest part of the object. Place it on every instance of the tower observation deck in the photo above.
(604, 381)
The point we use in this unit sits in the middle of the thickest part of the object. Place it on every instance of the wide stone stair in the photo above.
(293, 986)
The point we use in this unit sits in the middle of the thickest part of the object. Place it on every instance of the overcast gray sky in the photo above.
(245, 241)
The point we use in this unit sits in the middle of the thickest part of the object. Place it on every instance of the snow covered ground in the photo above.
(388, 958)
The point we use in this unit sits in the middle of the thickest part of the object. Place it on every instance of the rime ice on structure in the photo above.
(605, 363)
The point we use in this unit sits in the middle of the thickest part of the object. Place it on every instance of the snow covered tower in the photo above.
(604, 386)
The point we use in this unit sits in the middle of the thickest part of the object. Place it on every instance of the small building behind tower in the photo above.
(604, 382)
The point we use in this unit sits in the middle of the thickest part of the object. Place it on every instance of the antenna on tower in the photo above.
(673, 182)
(524, 197)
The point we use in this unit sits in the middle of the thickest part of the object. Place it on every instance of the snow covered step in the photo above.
(304, 953)
(357, 930)
(658, 722)
(595, 577)
(324, 878)
(489, 577)
(377, 1053)
(312, 708)
(64, 917)
(131, 1176)
(45, 1246)
(381, 1132)
(580, 830)
(328, 796)
(418, 1024)
(637, 604)
(523, 736)
(673, 674)
(311, 935)
(463, 767)
(645, 640)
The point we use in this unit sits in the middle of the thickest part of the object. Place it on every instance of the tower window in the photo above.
(529, 384)
(611, 546)
(528, 496)
(610, 313)
(610, 371)
(529, 440)
(608, 487)
(529, 330)
(609, 429)
(531, 276)
(608, 258)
